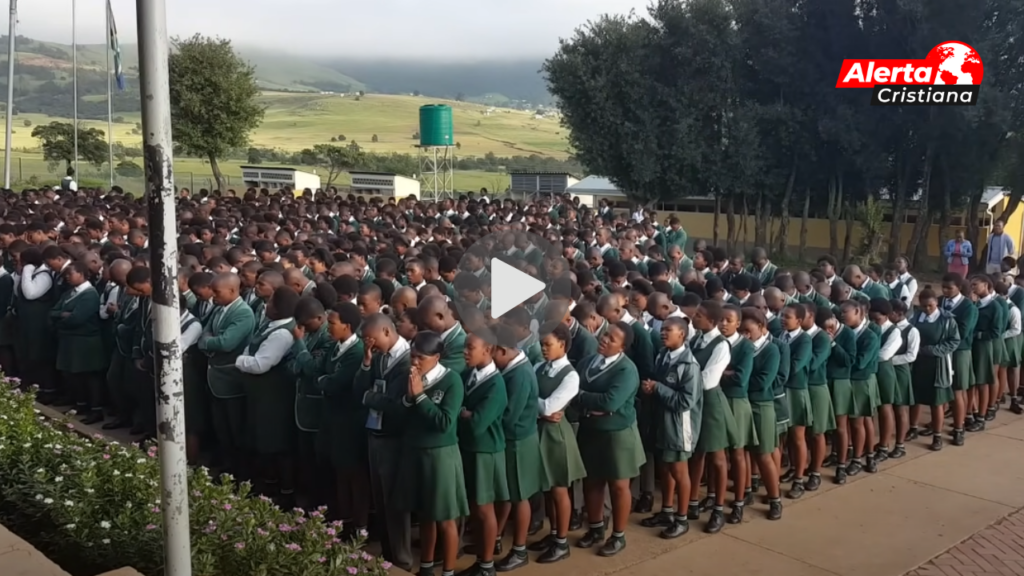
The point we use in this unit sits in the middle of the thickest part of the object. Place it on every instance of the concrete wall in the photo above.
(19, 558)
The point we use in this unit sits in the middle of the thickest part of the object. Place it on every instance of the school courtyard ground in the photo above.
(956, 512)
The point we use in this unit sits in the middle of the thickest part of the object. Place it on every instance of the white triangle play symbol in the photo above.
(510, 287)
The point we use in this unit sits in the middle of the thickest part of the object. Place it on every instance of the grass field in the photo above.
(30, 169)
(297, 121)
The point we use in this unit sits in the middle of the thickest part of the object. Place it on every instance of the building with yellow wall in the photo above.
(697, 217)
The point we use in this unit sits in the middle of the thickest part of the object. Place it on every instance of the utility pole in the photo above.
(8, 147)
(157, 146)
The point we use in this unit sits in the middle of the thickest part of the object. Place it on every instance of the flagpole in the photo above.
(8, 148)
(74, 76)
(110, 104)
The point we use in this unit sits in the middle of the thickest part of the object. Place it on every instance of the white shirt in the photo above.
(448, 332)
(343, 347)
(859, 329)
(270, 352)
(910, 282)
(190, 335)
(792, 334)
(34, 286)
(954, 302)
(905, 295)
(760, 342)
(602, 362)
(720, 357)
(429, 379)
(891, 344)
(519, 359)
(913, 345)
(1013, 329)
(813, 330)
(111, 298)
(479, 375)
(566, 390)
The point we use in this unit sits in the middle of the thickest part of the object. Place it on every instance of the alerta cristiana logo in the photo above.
(949, 76)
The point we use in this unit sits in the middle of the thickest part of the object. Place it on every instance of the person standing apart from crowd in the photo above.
(1000, 246)
(958, 253)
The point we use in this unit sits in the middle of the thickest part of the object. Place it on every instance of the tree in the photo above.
(341, 138)
(128, 169)
(415, 92)
(334, 159)
(213, 99)
(27, 123)
(374, 138)
(58, 143)
(460, 97)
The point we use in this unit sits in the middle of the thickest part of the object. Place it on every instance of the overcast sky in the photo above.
(448, 29)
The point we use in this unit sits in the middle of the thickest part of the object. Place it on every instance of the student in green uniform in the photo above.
(930, 375)
(1012, 339)
(120, 355)
(223, 340)
(678, 394)
(519, 320)
(432, 479)
(864, 384)
(482, 443)
(522, 444)
(735, 381)
(270, 393)
(38, 292)
(986, 332)
(341, 440)
(80, 360)
(1002, 356)
(266, 284)
(199, 284)
(761, 267)
(955, 301)
(197, 426)
(608, 436)
(823, 419)
(890, 342)
(557, 384)
(308, 360)
(139, 376)
(763, 374)
(903, 398)
(801, 413)
(382, 382)
(837, 371)
(717, 428)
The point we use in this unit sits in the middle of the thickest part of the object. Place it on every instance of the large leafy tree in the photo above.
(333, 158)
(57, 140)
(214, 103)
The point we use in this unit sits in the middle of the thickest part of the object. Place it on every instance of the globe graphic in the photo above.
(958, 63)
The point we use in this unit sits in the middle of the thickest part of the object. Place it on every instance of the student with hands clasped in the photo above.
(431, 483)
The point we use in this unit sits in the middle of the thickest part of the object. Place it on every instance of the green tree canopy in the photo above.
(333, 158)
(214, 104)
(57, 140)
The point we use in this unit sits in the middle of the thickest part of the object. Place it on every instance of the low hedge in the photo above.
(93, 505)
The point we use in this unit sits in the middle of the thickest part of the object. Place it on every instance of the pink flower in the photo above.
(106, 456)
(240, 545)
(285, 528)
(151, 527)
(262, 532)
(353, 570)
(321, 559)
(293, 547)
(385, 565)
(227, 506)
(155, 509)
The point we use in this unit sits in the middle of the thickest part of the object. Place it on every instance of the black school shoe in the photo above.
(936, 444)
(592, 538)
(644, 504)
(735, 514)
(898, 452)
(660, 520)
(542, 545)
(840, 477)
(556, 553)
(715, 522)
(912, 433)
(677, 529)
(512, 561)
(812, 483)
(775, 510)
(958, 437)
(612, 546)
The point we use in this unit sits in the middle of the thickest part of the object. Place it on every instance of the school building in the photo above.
(696, 214)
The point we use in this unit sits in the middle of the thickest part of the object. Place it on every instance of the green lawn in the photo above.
(297, 121)
(29, 169)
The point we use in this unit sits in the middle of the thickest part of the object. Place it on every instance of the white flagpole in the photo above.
(110, 104)
(74, 76)
(8, 147)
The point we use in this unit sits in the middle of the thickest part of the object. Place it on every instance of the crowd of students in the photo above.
(325, 360)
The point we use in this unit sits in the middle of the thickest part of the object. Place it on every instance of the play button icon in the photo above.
(510, 287)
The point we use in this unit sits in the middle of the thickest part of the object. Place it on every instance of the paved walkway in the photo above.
(950, 513)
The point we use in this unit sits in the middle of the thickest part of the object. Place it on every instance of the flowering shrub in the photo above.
(94, 505)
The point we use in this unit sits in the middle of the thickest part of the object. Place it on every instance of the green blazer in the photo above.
(452, 356)
(821, 348)
(433, 416)
(841, 356)
(764, 370)
(520, 418)
(610, 390)
(966, 315)
(800, 356)
(382, 390)
(741, 364)
(865, 362)
(679, 394)
(486, 402)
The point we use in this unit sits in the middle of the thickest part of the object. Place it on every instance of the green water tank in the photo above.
(436, 125)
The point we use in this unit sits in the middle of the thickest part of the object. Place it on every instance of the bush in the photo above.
(93, 506)
(129, 169)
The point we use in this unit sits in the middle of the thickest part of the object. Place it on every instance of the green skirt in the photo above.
(886, 378)
(1013, 351)
(924, 374)
(743, 415)
(616, 455)
(560, 460)
(782, 419)
(903, 394)
(764, 427)
(865, 397)
(999, 352)
(842, 397)
(431, 484)
(800, 410)
(963, 371)
(523, 468)
(672, 456)
(823, 418)
(486, 479)
(81, 354)
(717, 426)
(984, 362)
